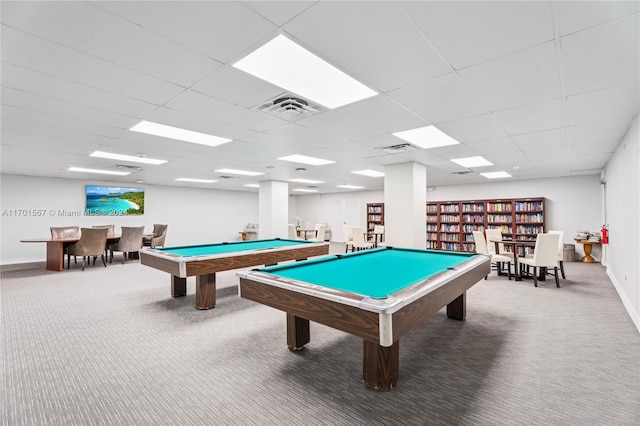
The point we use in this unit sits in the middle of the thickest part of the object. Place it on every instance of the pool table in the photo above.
(205, 260)
(379, 295)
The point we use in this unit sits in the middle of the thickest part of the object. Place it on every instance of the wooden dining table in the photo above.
(515, 244)
(56, 248)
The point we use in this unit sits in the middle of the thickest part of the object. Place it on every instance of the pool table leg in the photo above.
(457, 309)
(206, 291)
(298, 333)
(380, 365)
(178, 286)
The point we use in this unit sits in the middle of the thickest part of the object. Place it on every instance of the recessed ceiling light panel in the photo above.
(177, 133)
(131, 158)
(478, 161)
(370, 173)
(426, 137)
(98, 171)
(305, 190)
(239, 172)
(196, 180)
(496, 175)
(288, 65)
(306, 160)
(350, 187)
(305, 181)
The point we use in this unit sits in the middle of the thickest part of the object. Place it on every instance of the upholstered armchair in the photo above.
(91, 243)
(63, 233)
(130, 241)
(159, 235)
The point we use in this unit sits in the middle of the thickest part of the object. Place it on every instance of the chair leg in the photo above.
(555, 272)
(103, 261)
(83, 261)
(562, 269)
(535, 276)
(509, 270)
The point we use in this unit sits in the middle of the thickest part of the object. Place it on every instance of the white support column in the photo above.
(405, 199)
(273, 202)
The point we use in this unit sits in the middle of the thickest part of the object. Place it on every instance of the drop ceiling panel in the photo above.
(444, 98)
(532, 118)
(238, 88)
(492, 146)
(575, 16)
(341, 128)
(545, 139)
(604, 56)
(381, 112)
(374, 42)
(492, 29)
(472, 129)
(113, 39)
(610, 130)
(210, 108)
(31, 52)
(219, 30)
(615, 102)
(279, 12)
(305, 137)
(590, 148)
(521, 78)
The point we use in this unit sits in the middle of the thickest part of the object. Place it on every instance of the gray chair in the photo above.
(158, 238)
(91, 243)
(112, 231)
(63, 233)
(130, 241)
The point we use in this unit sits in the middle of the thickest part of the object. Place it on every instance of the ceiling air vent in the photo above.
(225, 177)
(128, 167)
(397, 149)
(290, 107)
(466, 172)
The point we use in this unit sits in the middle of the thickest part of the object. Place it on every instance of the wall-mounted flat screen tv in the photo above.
(114, 201)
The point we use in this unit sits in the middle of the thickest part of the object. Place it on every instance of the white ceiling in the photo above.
(540, 89)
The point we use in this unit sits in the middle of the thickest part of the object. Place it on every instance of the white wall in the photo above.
(622, 176)
(193, 215)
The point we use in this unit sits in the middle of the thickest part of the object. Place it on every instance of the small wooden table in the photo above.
(588, 246)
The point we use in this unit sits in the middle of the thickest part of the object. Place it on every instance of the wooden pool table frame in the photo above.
(379, 322)
(205, 267)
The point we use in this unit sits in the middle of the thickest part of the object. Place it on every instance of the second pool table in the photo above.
(205, 260)
(378, 295)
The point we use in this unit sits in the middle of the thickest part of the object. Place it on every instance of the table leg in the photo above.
(178, 286)
(380, 365)
(516, 271)
(457, 309)
(298, 332)
(587, 258)
(206, 291)
(55, 255)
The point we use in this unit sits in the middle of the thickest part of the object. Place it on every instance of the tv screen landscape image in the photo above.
(114, 201)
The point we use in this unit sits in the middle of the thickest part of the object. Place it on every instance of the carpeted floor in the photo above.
(111, 347)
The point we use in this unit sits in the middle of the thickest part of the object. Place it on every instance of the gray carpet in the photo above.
(111, 347)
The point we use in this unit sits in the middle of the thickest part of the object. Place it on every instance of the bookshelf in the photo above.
(450, 224)
(375, 216)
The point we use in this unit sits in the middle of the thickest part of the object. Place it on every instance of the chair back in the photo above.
(494, 235)
(160, 233)
(546, 250)
(480, 242)
(378, 232)
(560, 243)
(91, 243)
(348, 234)
(320, 232)
(292, 233)
(111, 228)
(64, 232)
(358, 236)
(131, 239)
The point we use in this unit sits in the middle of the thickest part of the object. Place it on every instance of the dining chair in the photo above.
(358, 240)
(497, 260)
(158, 238)
(130, 241)
(348, 238)
(320, 234)
(545, 255)
(112, 231)
(560, 250)
(292, 233)
(378, 233)
(91, 243)
(64, 232)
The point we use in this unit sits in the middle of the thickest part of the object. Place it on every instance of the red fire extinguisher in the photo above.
(604, 239)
